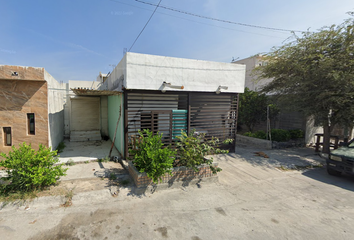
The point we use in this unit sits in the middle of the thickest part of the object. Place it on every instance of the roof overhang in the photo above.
(92, 92)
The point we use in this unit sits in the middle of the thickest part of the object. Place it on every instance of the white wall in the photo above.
(56, 101)
(251, 81)
(116, 77)
(149, 72)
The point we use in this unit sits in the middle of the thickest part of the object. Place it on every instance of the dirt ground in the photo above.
(253, 199)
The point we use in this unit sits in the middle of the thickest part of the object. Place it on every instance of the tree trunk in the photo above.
(326, 137)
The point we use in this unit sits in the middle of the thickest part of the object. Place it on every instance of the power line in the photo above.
(145, 25)
(207, 24)
(217, 19)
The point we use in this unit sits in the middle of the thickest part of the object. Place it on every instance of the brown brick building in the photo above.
(26, 114)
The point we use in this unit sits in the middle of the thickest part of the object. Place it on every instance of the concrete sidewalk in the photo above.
(86, 151)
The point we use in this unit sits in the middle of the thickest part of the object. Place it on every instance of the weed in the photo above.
(70, 162)
(61, 147)
(17, 196)
(112, 177)
(69, 197)
(106, 159)
(86, 162)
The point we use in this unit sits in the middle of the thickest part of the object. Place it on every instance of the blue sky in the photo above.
(76, 39)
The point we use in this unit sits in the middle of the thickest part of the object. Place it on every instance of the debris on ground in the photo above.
(261, 154)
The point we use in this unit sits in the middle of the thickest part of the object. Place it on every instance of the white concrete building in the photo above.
(167, 95)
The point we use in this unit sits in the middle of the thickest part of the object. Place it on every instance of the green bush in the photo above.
(191, 150)
(259, 134)
(249, 134)
(296, 133)
(149, 155)
(280, 135)
(30, 170)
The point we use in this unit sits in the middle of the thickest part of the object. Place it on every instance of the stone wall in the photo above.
(17, 98)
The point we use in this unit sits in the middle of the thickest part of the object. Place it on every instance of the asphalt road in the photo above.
(253, 200)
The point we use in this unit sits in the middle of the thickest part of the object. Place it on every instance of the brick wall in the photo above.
(178, 174)
(17, 98)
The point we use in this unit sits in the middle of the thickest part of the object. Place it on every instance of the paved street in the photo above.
(253, 200)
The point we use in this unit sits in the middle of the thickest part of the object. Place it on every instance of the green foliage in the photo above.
(280, 135)
(61, 147)
(70, 162)
(151, 157)
(112, 176)
(253, 108)
(30, 170)
(296, 133)
(259, 134)
(315, 74)
(192, 148)
(105, 159)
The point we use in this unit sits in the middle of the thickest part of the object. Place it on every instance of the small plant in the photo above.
(70, 162)
(191, 150)
(86, 162)
(105, 159)
(69, 197)
(61, 147)
(151, 157)
(112, 176)
(29, 170)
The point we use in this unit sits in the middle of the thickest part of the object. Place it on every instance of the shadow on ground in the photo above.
(289, 158)
(344, 181)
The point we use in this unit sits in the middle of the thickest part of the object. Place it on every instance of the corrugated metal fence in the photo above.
(169, 113)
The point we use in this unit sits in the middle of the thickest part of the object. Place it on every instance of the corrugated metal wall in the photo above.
(209, 113)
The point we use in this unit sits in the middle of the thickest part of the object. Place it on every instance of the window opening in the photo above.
(7, 136)
(31, 124)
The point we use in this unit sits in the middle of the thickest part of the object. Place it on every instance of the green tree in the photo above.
(253, 108)
(315, 73)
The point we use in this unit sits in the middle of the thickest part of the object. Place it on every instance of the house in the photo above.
(251, 63)
(31, 107)
(167, 95)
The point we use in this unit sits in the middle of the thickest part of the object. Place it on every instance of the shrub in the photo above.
(259, 134)
(151, 157)
(30, 170)
(296, 133)
(280, 135)
(191, 150)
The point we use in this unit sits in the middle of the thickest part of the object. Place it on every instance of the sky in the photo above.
(77, 39)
